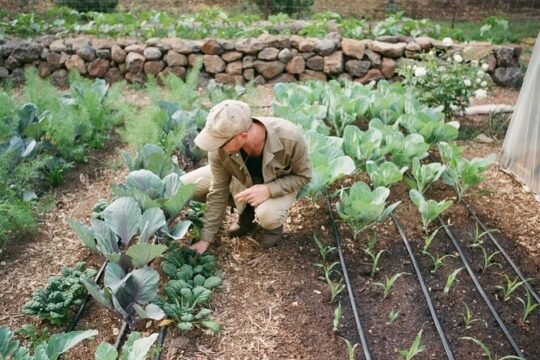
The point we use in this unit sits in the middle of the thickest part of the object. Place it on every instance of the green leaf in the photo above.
(123, 216)
(60, 343)
(85, 233)
(142, 254)
(179, 230)
(185, 326)
(174, 205)
(211, 325)
(151, 311)
(141, 347)
(101, 296)
(106, 351)
(151, 221)
(146, 181)
(212, 282)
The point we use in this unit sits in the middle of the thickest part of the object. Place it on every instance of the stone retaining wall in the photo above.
(267, 59)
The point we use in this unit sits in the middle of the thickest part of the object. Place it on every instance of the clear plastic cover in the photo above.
(521, 148)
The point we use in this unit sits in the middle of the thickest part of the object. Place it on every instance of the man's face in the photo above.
(236, 143)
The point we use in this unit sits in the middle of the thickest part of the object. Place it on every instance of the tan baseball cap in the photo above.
(224, 121)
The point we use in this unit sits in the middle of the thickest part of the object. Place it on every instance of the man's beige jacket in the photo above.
(285, 167)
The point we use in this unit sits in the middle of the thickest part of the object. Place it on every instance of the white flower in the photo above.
(467, 82)
(449, 59)
(480, 73)
(478, 80)
(485, 67)
(474, 63)
(458, 58)
(420, 71)
(484, 83)
(431, 53)
(454, 124)
(447, 41)
(480, 94)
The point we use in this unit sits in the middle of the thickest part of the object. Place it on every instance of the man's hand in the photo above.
(200, 246)
(254, 195)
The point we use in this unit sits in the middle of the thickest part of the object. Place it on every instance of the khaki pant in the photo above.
(270, 214)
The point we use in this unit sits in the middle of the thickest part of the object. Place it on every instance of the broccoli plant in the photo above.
(62, 295)
(360, 207)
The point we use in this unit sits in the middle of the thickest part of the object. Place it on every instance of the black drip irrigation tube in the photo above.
(434, 316)
(363, 340)
(120, 337)
(85, 301)
(480, 289)
(160, 342)
(503, 252)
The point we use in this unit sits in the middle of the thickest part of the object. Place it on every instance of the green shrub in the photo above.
(287, 6)
(89, 5)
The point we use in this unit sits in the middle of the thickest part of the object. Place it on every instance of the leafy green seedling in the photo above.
(324, 250)
(476, 237)
(429, 239)
(136, 347)
(385, 174)
(350, 348)
(392, 316)
(389, 283)
(468, 318)
(424, 175)
(451, 279)
(438, 261)
(338, 316)
(486, 350)
(489, 259)
(370, 251)
(528, 307)
(511, 286)
(429, 209)
(415, 349)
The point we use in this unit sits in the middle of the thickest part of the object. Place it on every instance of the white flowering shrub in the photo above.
(448, 82)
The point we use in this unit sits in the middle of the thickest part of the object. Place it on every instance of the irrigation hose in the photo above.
(502, 251)
(434, 316)
(347, 281)
(120, 337)
(161, 341)
(85, 301)
(480, 289)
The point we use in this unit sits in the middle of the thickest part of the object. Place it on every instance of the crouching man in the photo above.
(257, 164)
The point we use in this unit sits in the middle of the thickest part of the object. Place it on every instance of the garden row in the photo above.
(268, 58)
(214, 22)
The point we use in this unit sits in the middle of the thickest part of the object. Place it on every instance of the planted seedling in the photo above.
(392, 316)
(489, 259)
(350, 349)
(423, 175)
(468, 318)
(438, 261)
(385, 174)
(415, 349)
(451, 279)
(369, 251)
(510, 287)
(338, 316)
(486, 350)
(136, 347)
(529, 306)
(476, 237)
(429, 209)
(324, 250)
(389, 283)
(428, 240)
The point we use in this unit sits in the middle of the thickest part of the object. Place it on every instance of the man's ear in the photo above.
(243, 136)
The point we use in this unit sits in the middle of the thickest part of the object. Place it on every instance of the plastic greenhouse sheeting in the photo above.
(521, 148)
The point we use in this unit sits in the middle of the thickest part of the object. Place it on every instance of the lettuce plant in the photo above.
(423, 175)
(360, 207)
(125, 293)
(462, 174)
(62, 295)
(385, 174)
(50, 349)
(428, 209)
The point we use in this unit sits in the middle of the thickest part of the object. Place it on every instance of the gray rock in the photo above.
(27, 52)
(152, 53)
(175, 59)
(4, 73)
(213, 64)
(136, 48)
(212, 47)
(373, 57)
(249, 46)
(181, 46)
(333, 64)
(234, 68)
(345, 77)
(394, 39)
(228, 44)
(103, 53)
(98, 67)
(276, 41)
(283, 78)
(269, 69)
(505, 57)
(134, 62)
(17, 76)
(74, 45)
(113, 75)
(118, 55)
(357, 68)
(247, 62)
(312, 75)
(412, 48)
(482, 138)
(371, 75)
(53, 61)
(508, 76)
(308, 55)
(285, 55)
(307, 45)
(136, 78)
(388, 67)
(179, 71)
(315, 63)
(298, 25)
(249, 74)
(424, 42)
(102, 44)
(43, 69)
(388, 49)
(269, 53)
(325, 47)
(45, 40)
(229, 79)
(87, 53)
(44, 53)
(194, 59)
(60, 78)
(12, 63)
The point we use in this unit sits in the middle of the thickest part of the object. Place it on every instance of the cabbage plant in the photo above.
(360, 207)
(385, 174)
(423, 175)
(135, 347)
(429, 209)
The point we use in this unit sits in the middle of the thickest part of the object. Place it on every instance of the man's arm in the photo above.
(300, 171)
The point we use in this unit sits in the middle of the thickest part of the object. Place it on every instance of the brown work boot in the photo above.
(270, 238)
(244, 225)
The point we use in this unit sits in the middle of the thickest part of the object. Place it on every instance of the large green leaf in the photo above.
(106, 351)
(151, 311)
(114, 276)
(147, 181)
(7, 345)
(142, 284)
(60, 343)
(93, 289)
(174, 205)
(179, 230)
(142, 254)
(141, 347)
(151, 221)
(85, 233)
(123, 216)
